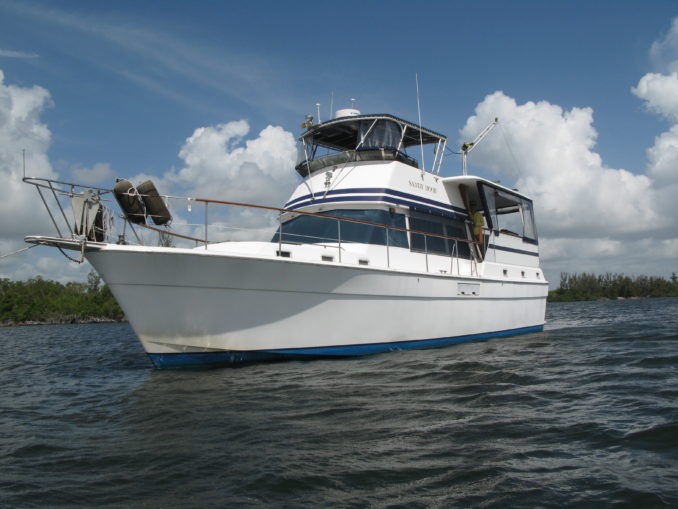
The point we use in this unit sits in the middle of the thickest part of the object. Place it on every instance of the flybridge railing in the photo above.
(96, 221)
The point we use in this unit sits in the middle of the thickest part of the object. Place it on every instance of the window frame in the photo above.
(450, 227)
(369, 229)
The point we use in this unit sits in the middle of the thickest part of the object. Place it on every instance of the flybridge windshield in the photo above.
(368, 135)
(384, 134)
(362, 138)
(509, 213)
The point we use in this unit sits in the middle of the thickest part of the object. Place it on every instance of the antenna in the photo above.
(421, 135)
(352, 103)
(331, 103)
(317, 107)
(23, 155)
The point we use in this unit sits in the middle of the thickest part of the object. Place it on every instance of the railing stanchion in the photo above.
(339, 237)
(56, 199)
(455, 251)
(426, 251)
(49, 212)
(458, 265)
(139, 239)
(206, 203)
(388, 255)
(279, 233)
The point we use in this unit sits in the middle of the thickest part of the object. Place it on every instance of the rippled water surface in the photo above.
(582, 414)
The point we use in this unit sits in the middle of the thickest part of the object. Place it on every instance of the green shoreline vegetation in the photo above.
(581, 287)
(39, 301)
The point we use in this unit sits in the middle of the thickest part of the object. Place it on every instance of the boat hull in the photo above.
(222, 309)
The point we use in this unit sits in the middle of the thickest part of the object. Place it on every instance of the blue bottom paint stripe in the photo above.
(217, 359)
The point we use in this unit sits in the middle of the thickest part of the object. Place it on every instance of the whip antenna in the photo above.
(421, 135)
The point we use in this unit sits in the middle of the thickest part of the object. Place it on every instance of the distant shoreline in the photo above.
(68, 320)
(596, 299)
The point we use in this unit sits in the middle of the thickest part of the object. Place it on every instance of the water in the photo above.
(583, 414)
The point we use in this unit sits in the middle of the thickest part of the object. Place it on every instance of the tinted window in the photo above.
(316, 229)
(438, 225)
(425, 242)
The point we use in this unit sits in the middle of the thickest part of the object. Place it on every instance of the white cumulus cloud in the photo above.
(21, 209)
(21, 129)
(220, 164)
(664, 51)
(660, 93)
(100, 173)
(576, 195)
(591, 217)
(663, 157)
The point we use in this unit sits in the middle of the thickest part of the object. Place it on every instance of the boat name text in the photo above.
(419, 185)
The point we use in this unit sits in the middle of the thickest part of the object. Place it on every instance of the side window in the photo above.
(368, 234)
(308, 230)
(509, 213)
(425, 242)
(530, 231)
(305, 229)
(438, 225)
(456, 228)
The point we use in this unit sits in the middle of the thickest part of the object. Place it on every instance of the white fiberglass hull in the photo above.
(192, 307)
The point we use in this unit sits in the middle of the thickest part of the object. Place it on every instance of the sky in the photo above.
(206, 99)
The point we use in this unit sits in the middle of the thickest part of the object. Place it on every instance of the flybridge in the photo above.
(356, 137)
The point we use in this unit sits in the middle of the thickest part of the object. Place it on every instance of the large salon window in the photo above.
(317, 229)
(439, 225)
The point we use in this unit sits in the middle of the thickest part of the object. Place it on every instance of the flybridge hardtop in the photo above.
(356, 137)
(374, 249)
(345, 133)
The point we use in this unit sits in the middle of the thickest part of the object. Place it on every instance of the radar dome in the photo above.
(347, 112)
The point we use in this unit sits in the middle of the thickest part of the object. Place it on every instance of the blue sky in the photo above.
(128, 82)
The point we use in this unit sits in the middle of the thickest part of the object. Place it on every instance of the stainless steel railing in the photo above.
(115, 227)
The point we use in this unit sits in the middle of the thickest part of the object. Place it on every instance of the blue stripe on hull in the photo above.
(218, 359)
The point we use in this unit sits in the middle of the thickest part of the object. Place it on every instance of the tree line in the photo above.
(40, 300)
(575, 287)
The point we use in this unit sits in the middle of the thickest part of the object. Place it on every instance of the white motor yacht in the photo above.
(371, 253)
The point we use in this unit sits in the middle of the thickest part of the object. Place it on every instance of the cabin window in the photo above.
(316, 229)
(508, 213)
(530, 228)
(438, 225)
